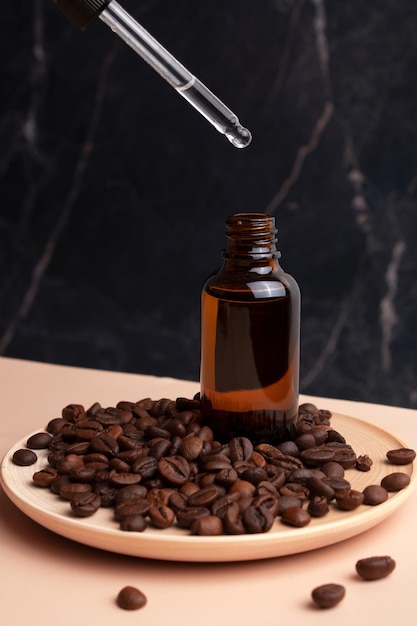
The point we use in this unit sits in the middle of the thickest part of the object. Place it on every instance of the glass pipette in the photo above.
(83, 12)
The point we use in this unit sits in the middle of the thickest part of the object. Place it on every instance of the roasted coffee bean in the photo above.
(55, 425)
(186, 517)
(295, 489)
(328, 596)
(345, 456)
(333, 435)
(39, 441)
(305, 441)
(338, 484)
(301, 476)
(374, 495)
(133, 523)
(319, 487)
(174, 469)
(241, 449)
(287, 502)
(243, 487)
(58, 483)
(131, 599)
(205, 496)
(119, 466)
(69, 490)
(221, 505)
(226, 477)
(317, 455)
(375, 567)
(207, 526)
(70, 463)
(106, 492)
(178, 501)
(307, 407)
(122, 479)
(105, 444)
(289, 447)
(257, 519)
(318, 506)
(83, 474)
(87, 429)
(78, 447)
(266, 488)
(161, 516)
(73, 412)
(266, 500)
(133, 506)
(296, 516)
(364, 463)
(395, 481)
(349, 499)
(232, 521)
(332, 470)
(146, 466)
(159, 497)
(254, 475)
(190, 447)
(130, 491)
(44, 477)
(85, 504)
(401, 456)
(24, 457)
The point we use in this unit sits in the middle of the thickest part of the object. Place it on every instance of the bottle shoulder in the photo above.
(254, 283)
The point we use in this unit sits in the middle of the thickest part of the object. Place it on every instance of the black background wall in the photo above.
(114, 191)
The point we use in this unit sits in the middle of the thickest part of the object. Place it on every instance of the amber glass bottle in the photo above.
(250, 337)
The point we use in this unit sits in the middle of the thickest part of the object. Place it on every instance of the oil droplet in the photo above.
(239, 136)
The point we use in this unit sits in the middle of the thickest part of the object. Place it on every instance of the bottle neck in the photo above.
(251, 237)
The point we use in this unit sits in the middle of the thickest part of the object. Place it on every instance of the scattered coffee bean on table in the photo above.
(375, 567)
(329, 595)
(130, 599)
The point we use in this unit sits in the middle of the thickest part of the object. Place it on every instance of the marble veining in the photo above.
(114, 192)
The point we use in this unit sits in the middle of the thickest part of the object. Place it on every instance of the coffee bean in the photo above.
(39, 441)
(318, 506)
(401, 456)
(328, 596)
(375, 567)
(317, 455)
(161, 516)
(131, 599)
(207, 526)
(186, 517)
(349, 499)
(257, 519)
(364, 463)
(374, 495)
(395, 481)
(133, 523)
(44, 477)
(24, 457)
(174, 469)
(85, 504)
(296, 516)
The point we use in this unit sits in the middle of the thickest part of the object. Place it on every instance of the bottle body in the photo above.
(250, 319)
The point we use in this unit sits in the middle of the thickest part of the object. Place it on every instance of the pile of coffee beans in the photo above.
(155, 464)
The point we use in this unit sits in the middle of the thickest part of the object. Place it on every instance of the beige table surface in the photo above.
(45, 578)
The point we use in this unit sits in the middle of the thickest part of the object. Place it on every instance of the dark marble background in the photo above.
(114, 191)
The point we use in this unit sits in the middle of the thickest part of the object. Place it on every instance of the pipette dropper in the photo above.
(84, 12)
